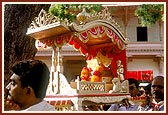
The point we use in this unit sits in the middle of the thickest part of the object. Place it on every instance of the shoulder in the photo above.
(161, 108)
(42, 106)
(114, 107)
(48, 107)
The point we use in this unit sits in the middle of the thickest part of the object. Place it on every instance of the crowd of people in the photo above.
(28, 85)
(154, 95)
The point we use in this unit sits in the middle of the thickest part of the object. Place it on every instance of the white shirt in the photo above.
(160, 107)
(42, 106)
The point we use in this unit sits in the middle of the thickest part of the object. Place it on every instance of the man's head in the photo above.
(157, 88)
(133, 87)
(30, 79)
(148, 90)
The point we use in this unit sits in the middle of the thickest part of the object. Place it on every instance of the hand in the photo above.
(125, 102)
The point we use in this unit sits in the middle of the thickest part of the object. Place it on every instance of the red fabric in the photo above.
(156, 106)
(120, 56)
(145, 75)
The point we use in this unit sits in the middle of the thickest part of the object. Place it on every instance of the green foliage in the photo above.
(149, 14)
(69, 11)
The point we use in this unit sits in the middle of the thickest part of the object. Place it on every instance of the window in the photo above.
(142, 34)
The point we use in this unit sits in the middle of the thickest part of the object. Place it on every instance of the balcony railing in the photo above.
(141, 48)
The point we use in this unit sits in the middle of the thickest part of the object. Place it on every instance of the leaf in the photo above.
(69, 11)
(149, 14)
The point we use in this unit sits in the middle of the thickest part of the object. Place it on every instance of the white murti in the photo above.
(119, 84)
(119, 87)
(120, 70)
(93, 63)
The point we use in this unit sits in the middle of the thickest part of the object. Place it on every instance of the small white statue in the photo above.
(119, 84)
(119, 87)
(116, 85)
(120, 70)
(125, 86)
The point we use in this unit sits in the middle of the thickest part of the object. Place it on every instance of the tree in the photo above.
(70, 11)
(17, 45)
(149, 14)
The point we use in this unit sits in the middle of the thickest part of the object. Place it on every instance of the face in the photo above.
(133, 90)
(15, 92)
(157, 89)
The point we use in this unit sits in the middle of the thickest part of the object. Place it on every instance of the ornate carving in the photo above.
(91, 87)
(103, 15)
(82, 17)
(103, 18)
(43, 19)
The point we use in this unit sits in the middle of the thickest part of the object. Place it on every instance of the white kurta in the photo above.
(42, 106)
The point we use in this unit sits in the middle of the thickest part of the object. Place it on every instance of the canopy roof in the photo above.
(87, 34)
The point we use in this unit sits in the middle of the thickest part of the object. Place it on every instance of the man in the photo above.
(28, 85)
(148, 90)
(133, 87)
(157, 91)
(126, 105)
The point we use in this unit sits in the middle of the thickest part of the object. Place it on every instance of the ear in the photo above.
(29, 90)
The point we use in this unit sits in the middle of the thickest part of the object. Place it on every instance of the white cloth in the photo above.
(158, 106)
(154, 107)
(146, 108)
(117, 107)
(42, 106)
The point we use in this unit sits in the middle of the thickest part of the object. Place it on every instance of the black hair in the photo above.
(148, 89)
(33, 73)
(133, 81)
(159, 77)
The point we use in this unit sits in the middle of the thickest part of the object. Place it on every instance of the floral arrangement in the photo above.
(85, 74)
(97, 67)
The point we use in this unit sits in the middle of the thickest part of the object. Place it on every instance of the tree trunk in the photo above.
(17, 45)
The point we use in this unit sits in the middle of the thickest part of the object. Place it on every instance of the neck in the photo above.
(30, 103)
(158, 100)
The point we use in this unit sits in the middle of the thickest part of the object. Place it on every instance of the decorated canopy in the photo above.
(89, 34)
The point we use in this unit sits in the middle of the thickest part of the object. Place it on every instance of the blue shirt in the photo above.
(118, 107)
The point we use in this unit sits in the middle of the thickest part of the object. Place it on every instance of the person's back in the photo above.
(28, 85)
